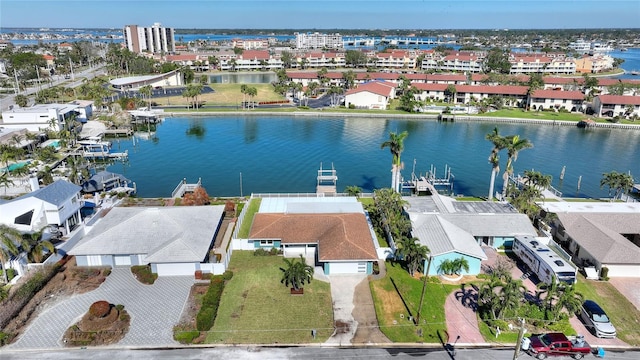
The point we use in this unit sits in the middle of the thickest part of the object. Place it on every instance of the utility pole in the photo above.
(519, 342)
(424, 288)
(15, 75)
(73, 77)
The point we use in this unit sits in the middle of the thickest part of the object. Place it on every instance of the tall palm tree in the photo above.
(146, 91)
(296, 273)
(10, 240)
(499, 144)
(618, 183)
(5, 182)
(413, 254)
(396, 146)
(514, 144)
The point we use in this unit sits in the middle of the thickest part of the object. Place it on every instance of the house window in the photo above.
(24, 219)
(266, 242)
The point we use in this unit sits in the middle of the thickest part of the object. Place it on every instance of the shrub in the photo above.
(100, 309)
(260, 252)
(207, 276)
(106, 272)
(143, 274)
(120, 307)
(205, 318)
(604, 273)
(185, 337)
(211, 300)
(5, 338)
(227, 275)
(483, 276)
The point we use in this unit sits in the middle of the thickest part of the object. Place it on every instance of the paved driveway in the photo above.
(629, 287)
(154, 310)
(342, 293)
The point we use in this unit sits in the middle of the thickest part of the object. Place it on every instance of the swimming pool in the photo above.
(16, 166)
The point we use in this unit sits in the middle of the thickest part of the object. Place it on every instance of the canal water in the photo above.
(245, 154)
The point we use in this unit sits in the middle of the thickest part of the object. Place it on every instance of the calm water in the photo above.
(283, 154)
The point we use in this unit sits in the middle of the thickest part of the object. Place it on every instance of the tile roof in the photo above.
(600, 235)
(558, 94)
(493, 89)
(375, 87)
(164, 235)
(339, 236)
(255, 54)
(619, 99)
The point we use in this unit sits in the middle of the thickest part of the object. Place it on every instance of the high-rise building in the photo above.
(318, 41)
(153, 39)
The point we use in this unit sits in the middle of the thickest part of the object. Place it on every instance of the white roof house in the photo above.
(174, 240)
(37, 117)
(56, 204)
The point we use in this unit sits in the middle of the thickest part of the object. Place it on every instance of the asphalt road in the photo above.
(265, 353)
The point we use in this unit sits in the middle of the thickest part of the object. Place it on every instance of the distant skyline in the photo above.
(322, 14)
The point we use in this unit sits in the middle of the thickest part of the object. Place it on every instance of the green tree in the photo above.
(396, 146)
(618, 183)
(499, 144)
(497, 61)
(34, 246)
(412, 252)
(21, 100)
(353, 190)
(408, 101)
(349, 78)
(456, 266)
(514, 144)
(146, 91)
(5, 182)
(10, 240)
(296, 273)
(450, 93)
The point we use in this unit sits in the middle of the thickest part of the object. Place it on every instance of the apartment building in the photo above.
(318, 41)
(152, 39)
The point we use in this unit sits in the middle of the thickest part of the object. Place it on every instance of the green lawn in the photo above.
(254, 206)
(256, 308)
(623, 314)
(389, 306)
(537, 115)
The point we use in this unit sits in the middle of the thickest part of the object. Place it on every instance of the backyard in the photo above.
(256, 308)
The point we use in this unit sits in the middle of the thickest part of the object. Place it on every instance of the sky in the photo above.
(323, 14)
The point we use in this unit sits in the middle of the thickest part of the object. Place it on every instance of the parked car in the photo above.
(595, 318)
(555, 344)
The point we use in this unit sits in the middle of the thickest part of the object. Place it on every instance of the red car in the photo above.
(555, 344)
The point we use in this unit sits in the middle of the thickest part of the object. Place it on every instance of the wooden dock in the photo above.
(327, 181)
(126, 132)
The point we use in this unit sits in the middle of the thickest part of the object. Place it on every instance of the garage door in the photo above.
(624, 270)
(122, 260)
(178, 269)
(348, 268)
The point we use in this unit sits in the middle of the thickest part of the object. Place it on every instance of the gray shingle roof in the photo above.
(599, 235)
(503, 224)
(442, 237)
(171, 234)
(56, 193)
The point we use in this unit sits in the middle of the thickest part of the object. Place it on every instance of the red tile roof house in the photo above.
(617, 105)
(371, 95)
(550, 99)
(332, 233)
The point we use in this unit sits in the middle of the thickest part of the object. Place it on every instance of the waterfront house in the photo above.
(57, 205)
(39, 116)
(171, 78)
(371, 95)
(617, 105)
(173, 240)
(599, 234)
(556, 99)
(332, 233)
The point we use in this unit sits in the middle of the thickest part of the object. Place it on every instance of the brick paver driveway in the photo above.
(154, 310)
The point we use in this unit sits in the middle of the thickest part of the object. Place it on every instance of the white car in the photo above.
(594, 317)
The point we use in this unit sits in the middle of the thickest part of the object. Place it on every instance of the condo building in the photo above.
(153, 39)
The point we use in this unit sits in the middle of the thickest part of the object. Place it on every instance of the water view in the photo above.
(283, 153)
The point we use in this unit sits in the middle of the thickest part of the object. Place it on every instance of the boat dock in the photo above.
(429, 183)
(126, 132)
(327, 181)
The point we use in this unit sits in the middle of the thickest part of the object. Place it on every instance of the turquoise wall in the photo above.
(276, 244)
(507, 242)
(474, 263)
(326, 268)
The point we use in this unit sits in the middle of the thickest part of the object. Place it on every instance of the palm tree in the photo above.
(252, 92)
(296, 273)
(514, 144)
(5, 182)
(414, 254)
(353, 190)
(618, 183)
(10, 240)
(243, 91)
(396, 146)
(450, 267)
(146, 91)
(34, 247)
(499, 144)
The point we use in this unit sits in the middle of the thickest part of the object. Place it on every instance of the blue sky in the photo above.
(323, 14)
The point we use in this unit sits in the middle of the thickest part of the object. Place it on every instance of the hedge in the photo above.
(210, 301)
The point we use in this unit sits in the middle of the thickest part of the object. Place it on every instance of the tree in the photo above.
(146, 91)
(497, 61)
(618, 183)
(413, 253)
(450, 267)
(5, 182)
(450, 93)
(349, 78)
(21, 100)
(396, 146)
(353, 190)
(514, 144)
(34, 246)
(10, 240)
(296, 273)
(499, 144)
(408, 100)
